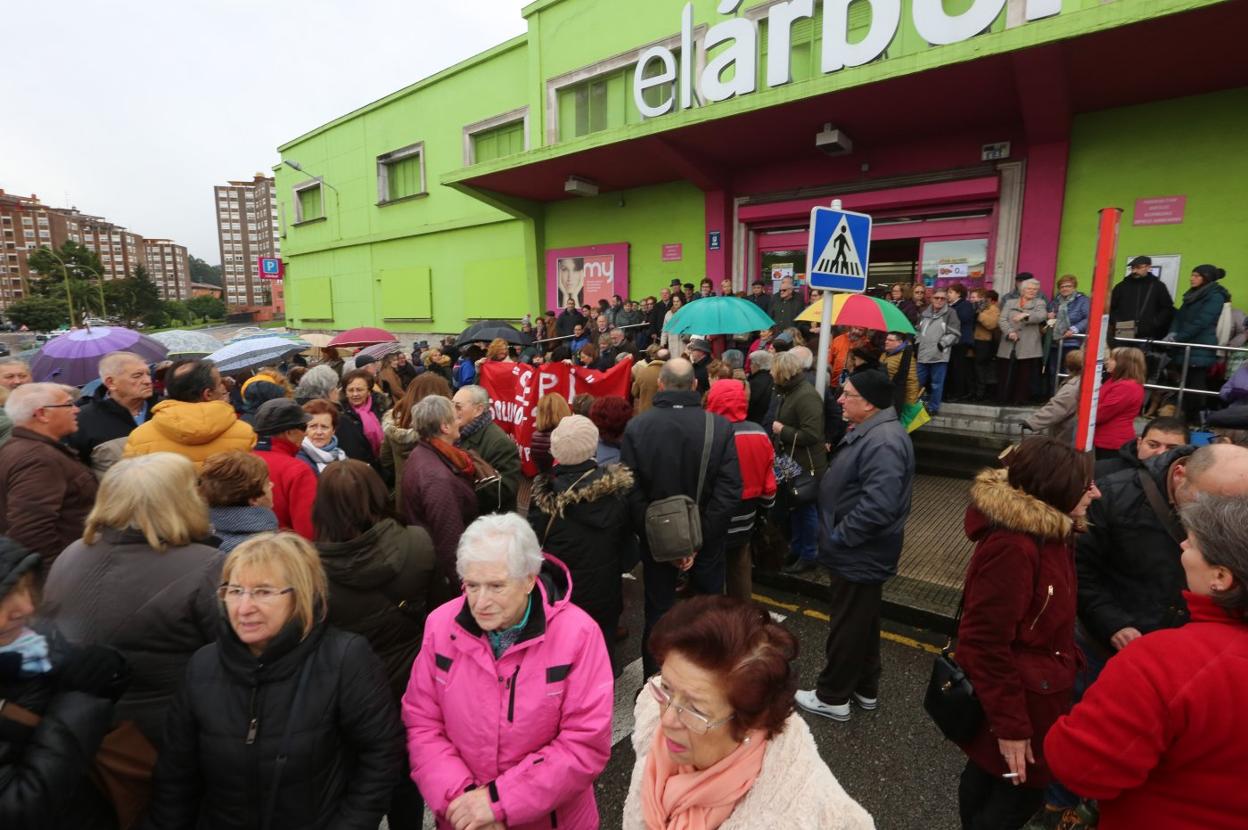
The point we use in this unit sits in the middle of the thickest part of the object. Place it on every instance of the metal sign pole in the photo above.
(825, 330)
(1098, 323)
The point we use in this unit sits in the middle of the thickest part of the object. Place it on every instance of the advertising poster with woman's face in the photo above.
(587, 279)
(586, 275)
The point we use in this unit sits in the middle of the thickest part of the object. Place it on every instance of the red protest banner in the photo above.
(516, 387)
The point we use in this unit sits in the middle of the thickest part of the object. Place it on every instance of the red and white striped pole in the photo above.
(1098, 323)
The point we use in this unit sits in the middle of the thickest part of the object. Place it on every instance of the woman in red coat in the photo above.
(1161, 738)
(1120, 400)
(1017, 634)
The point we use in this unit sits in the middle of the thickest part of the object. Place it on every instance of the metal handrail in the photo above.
(1181, 389)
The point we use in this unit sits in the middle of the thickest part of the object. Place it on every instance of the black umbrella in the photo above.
(487, 330)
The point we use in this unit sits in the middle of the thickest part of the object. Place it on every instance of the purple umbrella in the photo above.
(74, 358)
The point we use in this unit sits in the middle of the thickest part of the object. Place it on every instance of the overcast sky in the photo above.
(134, 109)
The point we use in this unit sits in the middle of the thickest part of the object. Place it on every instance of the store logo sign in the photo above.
(739, 37)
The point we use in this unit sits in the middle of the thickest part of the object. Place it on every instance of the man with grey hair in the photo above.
(120, 404)
(45, 492)
(13, 373)
(318, 382)
(478, 433)
(762, 389)
(664, 448)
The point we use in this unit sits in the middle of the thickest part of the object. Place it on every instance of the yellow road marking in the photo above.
(900, 639)
(769, 601)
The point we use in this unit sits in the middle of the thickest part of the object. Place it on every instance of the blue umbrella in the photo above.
(187, 343)
(718, 315)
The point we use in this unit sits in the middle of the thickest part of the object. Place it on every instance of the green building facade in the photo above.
(983, 136)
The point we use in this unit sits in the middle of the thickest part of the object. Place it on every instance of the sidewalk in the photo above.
(928, 584)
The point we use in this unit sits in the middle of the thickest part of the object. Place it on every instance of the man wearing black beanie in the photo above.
(864, 500)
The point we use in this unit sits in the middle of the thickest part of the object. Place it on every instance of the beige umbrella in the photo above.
(318, 340)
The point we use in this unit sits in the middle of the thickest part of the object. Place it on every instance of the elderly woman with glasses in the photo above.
(716, 739)
(284, 721)
(508, 711)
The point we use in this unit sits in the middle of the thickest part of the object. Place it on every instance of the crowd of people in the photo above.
(317, 596)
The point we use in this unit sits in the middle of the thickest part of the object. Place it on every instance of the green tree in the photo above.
(203, 272)
(178, 312)
(83, 267)
(207, 307)
(132, 298)
(38, 313)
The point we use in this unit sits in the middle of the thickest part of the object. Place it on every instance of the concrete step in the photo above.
(944, 451)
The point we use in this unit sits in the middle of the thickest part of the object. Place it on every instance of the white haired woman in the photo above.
(1018, 357)
(508, 710)
(141, 581)
(284, 721)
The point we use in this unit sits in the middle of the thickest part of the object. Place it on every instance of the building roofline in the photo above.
(441, 75)
(537, 6)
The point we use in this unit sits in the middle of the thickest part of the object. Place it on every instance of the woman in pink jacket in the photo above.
(1120, 400)
(508, 710)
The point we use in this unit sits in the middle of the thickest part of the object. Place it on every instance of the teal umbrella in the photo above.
(719, 315)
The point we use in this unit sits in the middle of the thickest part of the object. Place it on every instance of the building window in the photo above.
(308, 203)
(497, 137)
(401, 174)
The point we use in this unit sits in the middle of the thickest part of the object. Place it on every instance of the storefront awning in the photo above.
(1027, 96)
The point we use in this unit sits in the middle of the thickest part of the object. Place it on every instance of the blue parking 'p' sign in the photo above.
(271, 268)
(839, 251)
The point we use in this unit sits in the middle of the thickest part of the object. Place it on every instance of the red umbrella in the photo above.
(363, 336)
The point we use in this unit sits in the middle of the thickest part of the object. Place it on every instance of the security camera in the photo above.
(833, 142)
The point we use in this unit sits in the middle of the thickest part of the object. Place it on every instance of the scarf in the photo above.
(34, 651)
(1063, 312)
(1192, 295)
(478, 423)
(372, 426)
(679, 797)
(500, 641)
(322, 457)
(459, 460)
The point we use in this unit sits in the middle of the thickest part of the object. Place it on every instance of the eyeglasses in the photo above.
(262, 595)
(851, 395)
(59, 405)
(697, 723)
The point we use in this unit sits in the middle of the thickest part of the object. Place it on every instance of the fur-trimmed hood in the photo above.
(1001, 506)
(553, 495)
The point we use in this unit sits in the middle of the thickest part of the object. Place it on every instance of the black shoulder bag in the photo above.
(950, 700)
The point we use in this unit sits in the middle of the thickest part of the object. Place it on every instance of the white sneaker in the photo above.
(808, 701)
(867, 704)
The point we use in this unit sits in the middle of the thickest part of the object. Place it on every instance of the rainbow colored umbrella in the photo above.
(74, 357)
(862, 311)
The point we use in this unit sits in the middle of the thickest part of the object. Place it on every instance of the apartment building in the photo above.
(169, 267)
(120, 251)
(247, 230)
(25, 224)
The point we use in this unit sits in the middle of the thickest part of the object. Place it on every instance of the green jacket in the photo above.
(801, 413)
(496, 447)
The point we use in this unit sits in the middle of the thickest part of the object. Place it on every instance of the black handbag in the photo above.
(796, 485)
(950, 700)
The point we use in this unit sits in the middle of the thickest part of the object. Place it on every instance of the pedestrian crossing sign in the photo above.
(839, 249)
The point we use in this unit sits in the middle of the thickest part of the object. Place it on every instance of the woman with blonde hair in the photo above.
(551, 409)
(140, 580)
(498, 351)
(1120, 400)
(283, 715)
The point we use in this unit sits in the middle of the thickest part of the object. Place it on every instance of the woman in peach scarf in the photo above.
(717, 743)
